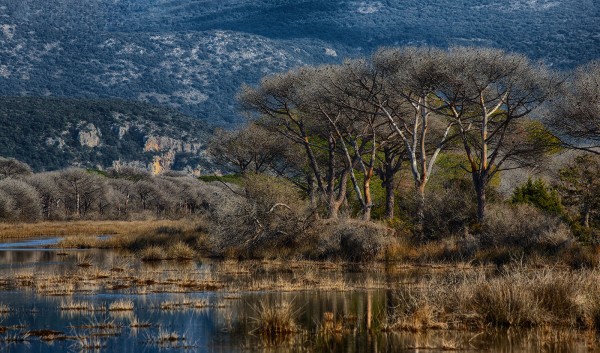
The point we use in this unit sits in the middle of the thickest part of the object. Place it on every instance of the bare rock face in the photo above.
(101, 134)
(167, 148)
(89, 135)
(163, 143)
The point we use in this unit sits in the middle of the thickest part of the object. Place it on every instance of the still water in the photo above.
(223, 322)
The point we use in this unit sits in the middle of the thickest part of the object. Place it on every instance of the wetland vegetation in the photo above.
(419, 199)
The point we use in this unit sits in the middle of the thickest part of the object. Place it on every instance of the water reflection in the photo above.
(349, 321)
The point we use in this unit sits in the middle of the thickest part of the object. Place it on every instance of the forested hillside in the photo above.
(52, 133)
(193, 55)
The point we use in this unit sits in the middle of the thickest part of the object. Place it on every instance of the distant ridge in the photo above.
(192, 55)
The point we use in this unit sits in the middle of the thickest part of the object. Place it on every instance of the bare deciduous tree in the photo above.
(575, 110)
(281, 103)
(80, 190)
(48, 190)
(25, 200)
(250, 149)
(10, 168)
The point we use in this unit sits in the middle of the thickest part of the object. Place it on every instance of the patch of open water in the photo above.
(224, 322)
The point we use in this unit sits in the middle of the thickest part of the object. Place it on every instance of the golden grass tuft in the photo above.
(275, 319)
(72, 305)
(121, 305)
(4, 308)
(152, 253)
(180, 251)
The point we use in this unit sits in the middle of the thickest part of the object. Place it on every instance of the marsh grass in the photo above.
(47, 335)
(84, 260)
(83, 343)
(180, 251)
(15, 337)
(85, 228)
(152, 253)
(183, 304)
(5, 309)
(518, 296)
(72, 305)
(136, 323)
(274, 320)
(121, 305)
(164, 338)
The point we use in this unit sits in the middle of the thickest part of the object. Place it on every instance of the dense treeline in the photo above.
(355, 160)
(422, 137)
(124, 193)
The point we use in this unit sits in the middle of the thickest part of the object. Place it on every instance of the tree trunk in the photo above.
(310, 181)
(368, 205)
(585, 216)
(311, 158)
(78, 205)
(337, 201)
(420, 225)
(366, 214)
(480, 191)
(388, 184)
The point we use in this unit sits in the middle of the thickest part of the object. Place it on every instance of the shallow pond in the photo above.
(41, 318)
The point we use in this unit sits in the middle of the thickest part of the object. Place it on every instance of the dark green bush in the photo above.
(538, 194)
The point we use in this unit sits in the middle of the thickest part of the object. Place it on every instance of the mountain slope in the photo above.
(52, 133)
(192, 55)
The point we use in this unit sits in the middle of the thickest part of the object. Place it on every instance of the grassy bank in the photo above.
(519, 296)
(87, 227)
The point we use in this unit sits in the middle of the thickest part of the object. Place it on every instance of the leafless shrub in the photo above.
(353, 240)
(25, 200)
(448, 211)
(266, 215)
(523, 226)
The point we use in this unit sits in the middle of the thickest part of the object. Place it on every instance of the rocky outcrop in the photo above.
(101, 134)
(89, 135)
(163, 143)
(167, 149)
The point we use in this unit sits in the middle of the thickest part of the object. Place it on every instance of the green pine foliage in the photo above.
(538, 194)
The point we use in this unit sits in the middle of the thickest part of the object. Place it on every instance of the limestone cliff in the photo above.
(89, 135)
(53, 133)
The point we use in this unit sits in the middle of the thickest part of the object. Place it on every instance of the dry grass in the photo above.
(84, 343)
(121, 305)
(5, 309)
(72, 305)
(517, 297)
(275, 319)
(180, 251)
(66, 228)
(152, 253)
(183, 304)
(15, 337)
(136, 323)
(165, 338)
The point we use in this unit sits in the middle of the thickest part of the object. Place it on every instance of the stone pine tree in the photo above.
(407, 100)
(491, 97)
